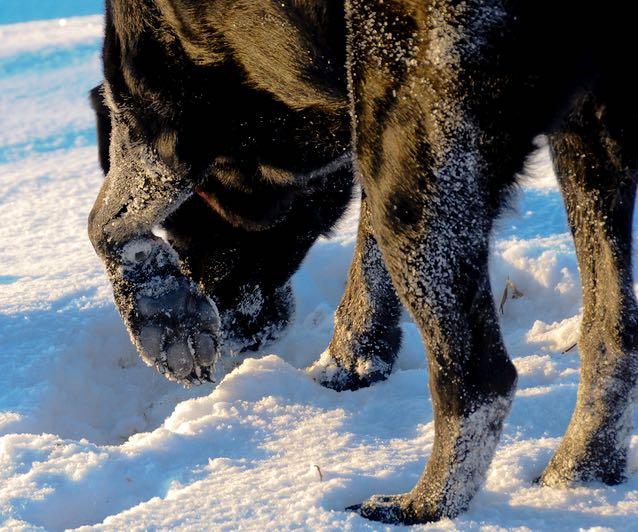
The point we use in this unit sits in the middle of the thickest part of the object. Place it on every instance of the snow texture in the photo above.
(90, 436)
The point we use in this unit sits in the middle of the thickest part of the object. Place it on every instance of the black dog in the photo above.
(232, 124)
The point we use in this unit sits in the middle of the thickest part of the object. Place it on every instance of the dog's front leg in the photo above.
(433, 160)
(171, 322)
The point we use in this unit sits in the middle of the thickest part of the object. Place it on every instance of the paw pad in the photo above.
(178, 332)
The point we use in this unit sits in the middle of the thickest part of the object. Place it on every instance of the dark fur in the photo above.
(222, 110)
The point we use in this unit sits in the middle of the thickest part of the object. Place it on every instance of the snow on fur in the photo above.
(89, 436)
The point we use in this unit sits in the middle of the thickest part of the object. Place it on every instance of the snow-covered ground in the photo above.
(89, 436)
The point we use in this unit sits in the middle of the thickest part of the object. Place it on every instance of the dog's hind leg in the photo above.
(367, 336)
(595, 155)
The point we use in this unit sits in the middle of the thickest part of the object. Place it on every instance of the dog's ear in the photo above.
(103, 126)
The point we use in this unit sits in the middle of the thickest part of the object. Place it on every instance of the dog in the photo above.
(234, 132)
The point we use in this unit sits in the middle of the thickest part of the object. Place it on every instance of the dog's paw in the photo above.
(177, 330)
(257, 319)
(389, 509)
(360, 373)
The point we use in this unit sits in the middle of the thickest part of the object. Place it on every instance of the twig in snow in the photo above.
(504, 297)
(516, 294)
(568, 349)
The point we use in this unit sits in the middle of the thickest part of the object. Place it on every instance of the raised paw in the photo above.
(176, 330)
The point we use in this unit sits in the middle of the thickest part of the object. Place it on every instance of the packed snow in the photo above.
(91, 437)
